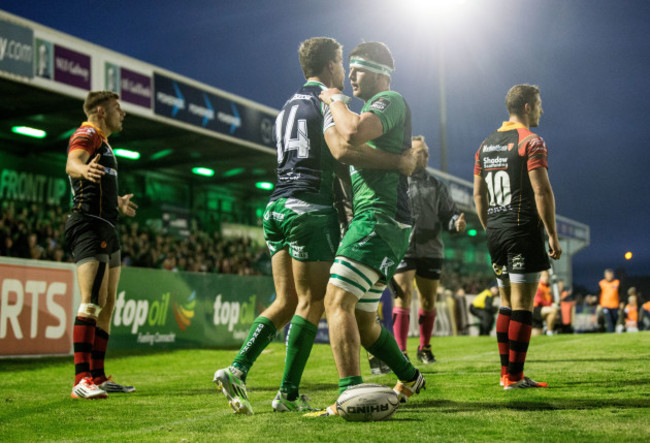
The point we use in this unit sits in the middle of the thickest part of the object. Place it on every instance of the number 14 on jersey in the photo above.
(298, 143)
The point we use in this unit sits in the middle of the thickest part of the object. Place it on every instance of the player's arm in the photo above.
(545, 202)
(480, 200)
(77, 166)
(354, 128)
(452, 219)
(363, 156)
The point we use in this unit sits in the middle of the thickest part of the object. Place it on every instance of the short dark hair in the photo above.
(518, 96)
(374, 51)
(98, 98)
(315, 53)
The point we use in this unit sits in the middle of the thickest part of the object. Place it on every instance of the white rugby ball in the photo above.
(367, 402)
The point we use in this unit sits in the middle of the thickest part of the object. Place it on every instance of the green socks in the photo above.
(386, 349)
(300, 340)
(346, 382)
(260, 335)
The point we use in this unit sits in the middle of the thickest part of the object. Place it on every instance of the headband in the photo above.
(371, 66)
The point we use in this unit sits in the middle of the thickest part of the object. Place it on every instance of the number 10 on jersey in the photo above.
(499, 188)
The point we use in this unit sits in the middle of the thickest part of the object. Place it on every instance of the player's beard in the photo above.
(116, 125)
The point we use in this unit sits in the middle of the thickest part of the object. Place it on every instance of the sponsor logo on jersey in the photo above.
(496, 162)
(495, 148)
(301, 97)
(110, 171)
(380, 104)
(499, 209)
(290, 176)
(277, 215)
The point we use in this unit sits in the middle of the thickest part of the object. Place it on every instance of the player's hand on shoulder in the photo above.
(326, 95)
(94, 171)
(126, 206)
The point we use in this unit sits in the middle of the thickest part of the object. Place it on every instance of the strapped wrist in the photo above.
(340, 98)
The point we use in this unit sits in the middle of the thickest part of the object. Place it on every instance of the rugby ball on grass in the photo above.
(367, 402)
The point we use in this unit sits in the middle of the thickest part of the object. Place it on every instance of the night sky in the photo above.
(591, 59)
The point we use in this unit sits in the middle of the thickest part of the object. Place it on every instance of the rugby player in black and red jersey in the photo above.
(515, 203)
(92, 237)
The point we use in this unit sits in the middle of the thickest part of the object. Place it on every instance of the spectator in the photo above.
(567, 305)
(644, 313)
(631, 312)
(484, 309)
(609, 299)
(544, 308)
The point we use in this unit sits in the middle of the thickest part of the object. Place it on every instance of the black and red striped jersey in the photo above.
(503, 161)
(95, 199)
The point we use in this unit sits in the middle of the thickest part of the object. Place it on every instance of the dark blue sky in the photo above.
(591, 59)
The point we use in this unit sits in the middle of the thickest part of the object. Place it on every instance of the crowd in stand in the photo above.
(33, 232)
(198, 252)
(36, 232)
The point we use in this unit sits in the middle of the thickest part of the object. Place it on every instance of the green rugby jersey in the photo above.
(385, 190)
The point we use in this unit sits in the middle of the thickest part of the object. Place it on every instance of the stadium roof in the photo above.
(173, 122)
(163, 147)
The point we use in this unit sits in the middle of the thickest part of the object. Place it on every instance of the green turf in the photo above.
(600, 391)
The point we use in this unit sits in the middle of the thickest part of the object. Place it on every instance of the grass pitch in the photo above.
(599, 391)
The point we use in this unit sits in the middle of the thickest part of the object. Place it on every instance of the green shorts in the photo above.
(310, 231)
(376, 240)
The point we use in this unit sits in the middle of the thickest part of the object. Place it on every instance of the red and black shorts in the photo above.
(430, 268)
(91, 238)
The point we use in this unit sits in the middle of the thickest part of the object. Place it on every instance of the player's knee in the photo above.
(348, 277)
(406, 298)
(428, 303)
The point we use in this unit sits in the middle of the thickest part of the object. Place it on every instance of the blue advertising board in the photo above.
(198, 107)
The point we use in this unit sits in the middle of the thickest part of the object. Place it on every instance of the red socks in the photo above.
(519, 337)
(401, 326)
(98, 355)
(426, 321)
(83, 337)
(503, 324)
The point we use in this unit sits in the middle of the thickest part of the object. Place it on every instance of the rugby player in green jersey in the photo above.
(301, 226)
(378, 235)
